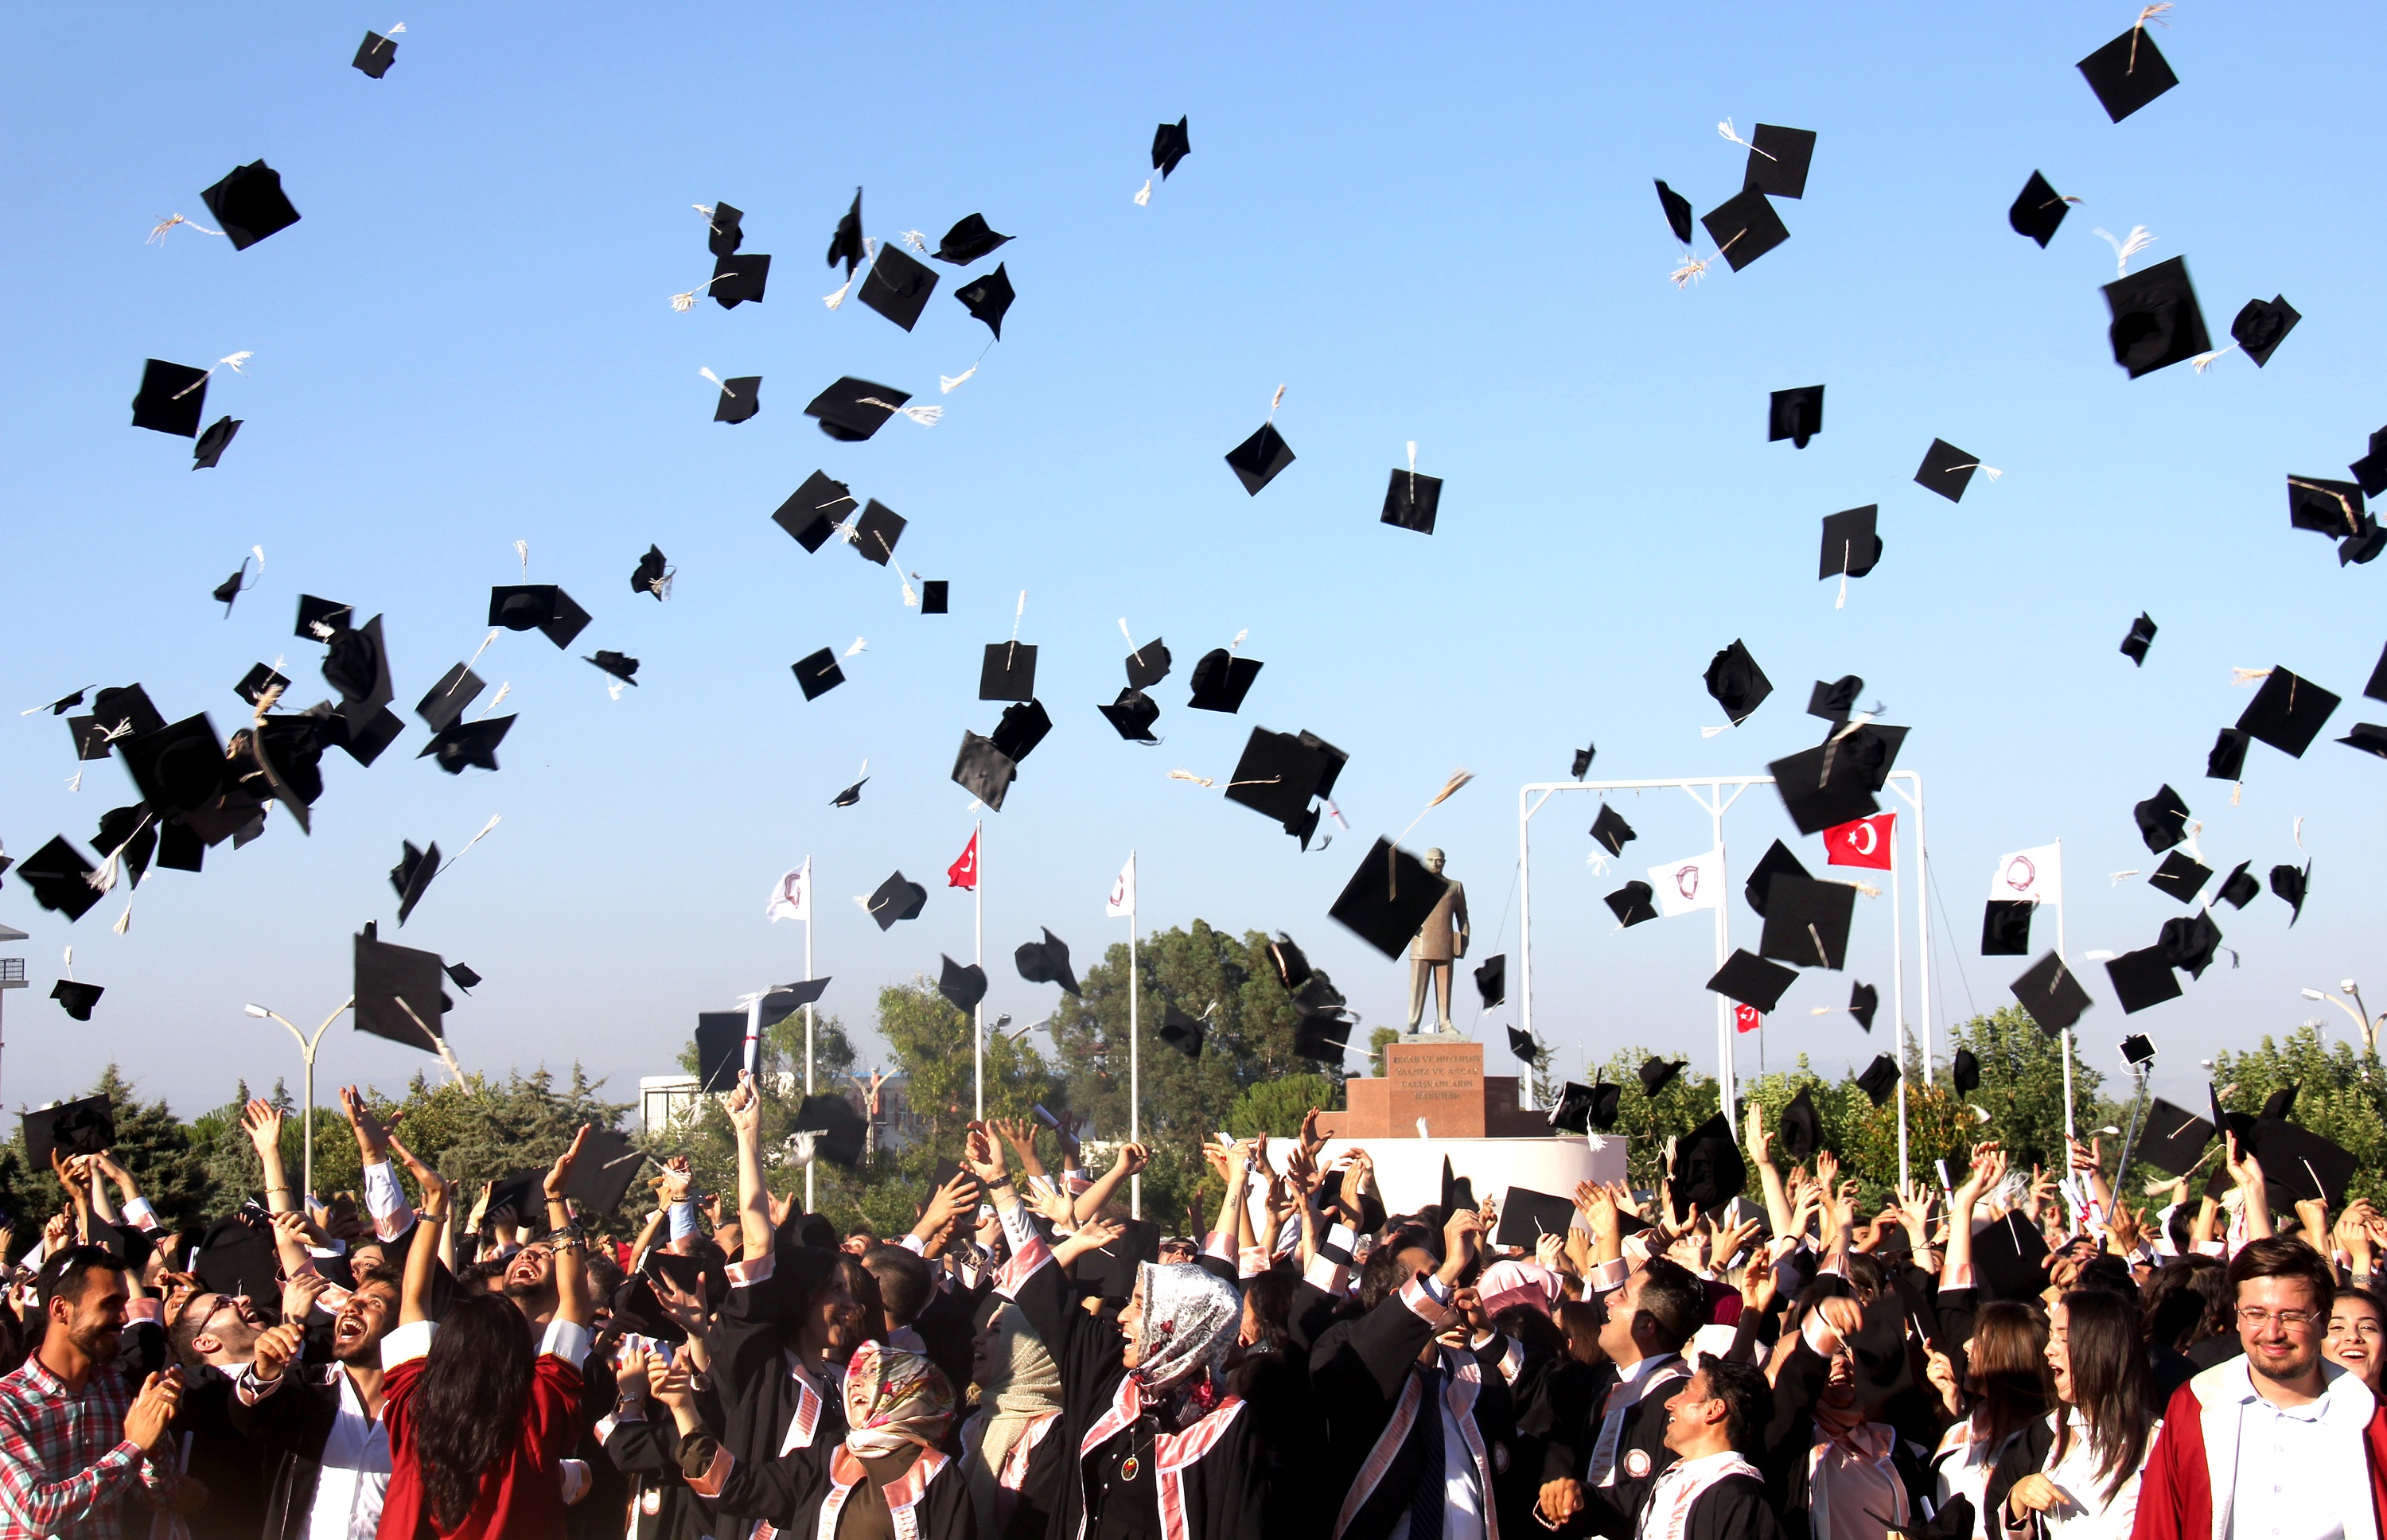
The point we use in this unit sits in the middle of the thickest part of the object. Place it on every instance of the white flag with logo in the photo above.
(2035, 876)
(792, 899)
(1695, 883)
(1122, 899)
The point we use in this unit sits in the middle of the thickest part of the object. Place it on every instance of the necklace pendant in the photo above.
(1128, 1468)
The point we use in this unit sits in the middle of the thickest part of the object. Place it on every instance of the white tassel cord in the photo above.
(2299, 832)
(2117, 876)
(167, 221)
(470, 843)
(1725, 129)
(1275, 401)
(522, 554)
(503, 690)
(859, 645)
(1989, 470)
(1190, 776)
(716, 380)
(1144, 194)
(869, 252)
(1017, 611)
(2137, 241)
(945, 382)
(2152, 13)
(2248, 676)
(230, 360)
(688, 301)
(1710, 732)
(916, 240)
(928, 417)
(2205, 360)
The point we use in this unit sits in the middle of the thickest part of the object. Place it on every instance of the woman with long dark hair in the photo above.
(2185, 1308)
(479, 1417)
(2004, 1431)
(2087, 1489)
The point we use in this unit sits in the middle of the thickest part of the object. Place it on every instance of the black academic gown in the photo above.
(769, 1406)
(929, 1500)
(647, 1453)
(1734, 1509)
(1641, 1453)
(237, 1471)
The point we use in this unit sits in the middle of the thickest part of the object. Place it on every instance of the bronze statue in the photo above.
(1441, 939)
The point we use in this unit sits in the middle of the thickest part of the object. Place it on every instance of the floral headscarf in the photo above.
(1190, 1317)
(892, 1398)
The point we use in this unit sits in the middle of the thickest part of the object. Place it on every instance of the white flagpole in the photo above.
(808, 1016)
(1726, 1088)
(2066, 964)
(978, 1012)
(1897, 996)
(1134, 1039)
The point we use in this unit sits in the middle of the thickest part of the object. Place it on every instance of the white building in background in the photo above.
(664, 1100)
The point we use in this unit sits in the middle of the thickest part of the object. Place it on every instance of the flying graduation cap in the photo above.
(1879, 1080)
(412, 875)
(817, 674)
(964, 984)
(1046, 962)
(1677, 209)
(1777, 862)
(1389, 897)
(2037, 210)
(2261, 325)
(1008, 672)
(1863, 1001)
(376, 53)
(250, 205)
(2287, 713)
(1220, 680)
(2141, 637)
(1964, 1072)
(988, 297)
(1261, 458)
(1736, 683)
(2005, 927)
(75, 998)
(2155, 322)
(468, 744)
(83, 1127)
(1572, 1112)
(2181, 876)
(2187, 943)
(1412, 500)
(1170, 145)
(1023, 726)
(1796, 414)
(652, 576)
(2290, 883)
(2051, 993)
(172, 398)
(449, 700)
(2173, 1138)
(1182, 1032)
(1631, 904)
(1612, 831)
(2130, 71)
(851, 410)
(970, 238)
(2142, 978)
(1743, 227)
(214, 442)
(839, 1134)
(1582, 758)
(1132, 714)
(2162, 819)
(897, 286)
(1851, 549)
(1492, 979)
(1521, 1044)
(2239, 888)
(1799, 1127)
(1948, 469)
(898, 898)
(1807, 922)
(541, 606)
(397, 992)
(619, 665)
(984, 770)
(1708, 1170)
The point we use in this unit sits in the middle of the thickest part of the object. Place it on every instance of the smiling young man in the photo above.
(1710, 1491)
(322, 1422)
(2280, 1443)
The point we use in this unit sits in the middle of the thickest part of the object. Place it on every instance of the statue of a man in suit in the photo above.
(1439, 941)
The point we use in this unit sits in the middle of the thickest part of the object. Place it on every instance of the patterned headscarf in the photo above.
(1190, 1317)
(892, 1398)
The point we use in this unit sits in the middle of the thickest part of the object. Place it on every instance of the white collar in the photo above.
(1704, 1463)
(2344, 1400)
(1642, 1368)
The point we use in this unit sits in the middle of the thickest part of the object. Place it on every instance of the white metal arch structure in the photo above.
(1721, 792)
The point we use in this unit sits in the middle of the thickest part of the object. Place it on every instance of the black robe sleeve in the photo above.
(294, 1418)
(1734, 1509)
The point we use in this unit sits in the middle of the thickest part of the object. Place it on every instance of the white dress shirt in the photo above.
(2085, 1512)
(355, 1476)
(1462, 1513)
(2301, 1471)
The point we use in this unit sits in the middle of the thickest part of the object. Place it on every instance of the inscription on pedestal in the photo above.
(1441, 1082)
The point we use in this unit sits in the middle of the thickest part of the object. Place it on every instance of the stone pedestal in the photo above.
(1442, 1080)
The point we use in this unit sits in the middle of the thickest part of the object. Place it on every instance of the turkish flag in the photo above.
(1865, 843)
(1747, 1018)
(963, 873)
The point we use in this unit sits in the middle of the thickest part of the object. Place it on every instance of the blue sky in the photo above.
(1426, 223)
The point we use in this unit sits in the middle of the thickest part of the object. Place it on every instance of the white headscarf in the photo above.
(1190, 1317)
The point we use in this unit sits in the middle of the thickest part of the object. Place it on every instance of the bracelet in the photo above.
(1004, 1180)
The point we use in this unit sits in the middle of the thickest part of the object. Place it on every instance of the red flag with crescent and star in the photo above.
(1747, 1018)
(963, 873)
(1864, 842)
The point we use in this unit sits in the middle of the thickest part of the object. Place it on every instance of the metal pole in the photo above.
(1524, 918)
(978, 956)
(2138, 1108)
(1724, 1084)
(2069, 1132)
(1134, 1039)
(1922, 915)
(808, 1016)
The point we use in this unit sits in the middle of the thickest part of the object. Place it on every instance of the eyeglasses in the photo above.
(2258, 1318)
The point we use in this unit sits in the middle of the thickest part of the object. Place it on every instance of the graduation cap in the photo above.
(2369, 473)
(2162, 819)
(1947, 470)
(257, 681)
(2181, 877)
(1657, 1074)
(1582, 758)
(740, 277)
(2010, 1258)
(2188, 943)
(1777, 160)
(1457, 1191)
(1807, 922)
(2142, 978)
(1834, 702)
(2226, 760)
(720, 1049)
(781, 1000)
(2262, 325)
(2127, 74)
(1046, 962)
(412, 875)
(934, 595)
(1880, 1079)
(811, 513)
(1677, 209)
(179, 768)
(1170, 146)
(652, 574)
(1389, 897)
(897, 286)
(2305, 1167)
(213, 443)
(846, 244)
(1259, 458)
(1572, 1112)
(1799, 1127)
(1008, 672)
(987, 298)
(1275, 777)
(2038, 210)
(1527, 1216)
(1521, 1044)
(964, 984)
(1132, 713)
(851, 410)
(1826, 786)
(2143, 635)
(237, 1256)
(1220, 680)
(1777, 862)
(465, 744)
(970, 238)
(897, 899)
(1796, 414)
(1412, 500)
(2156, 322)
(2368, 736)
(1736, 683)
(2050, 993)
(2290, 883)
(2287, 713)
(1111, 1271)
(725, 228)
(601, 1175)
(77, 998)
(1612, 831)
(817, 674)
(1744, 228)
(1492, 980)
(1751, 981)
(83, 1127)
(1322, 1037)
(523, 1191)
(741, 396)
(620, 666)
(2005, 927)
(2239, 888)
(132, 830)
(397, 994)
(541, 606)
(1631, 904)
(376, 54)
(356, 662)
(1706, 1170)
(1182, 1032)
(172, 398)
(1964, 1072)
(179, 849)
(249, 204)
(2173, 1138)
(1864, 1000)
(983, 770)
(850, 795)
(2325, 507)
(465, 978)
(1851, 548)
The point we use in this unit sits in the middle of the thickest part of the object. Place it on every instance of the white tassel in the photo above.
(716, 380)
(688, 301)
(2248, 676)
(1190, 776)
(169, 222)
(945, 382)
(123, 925)
(1725, 129)
(916, 241)
(1598, 863)
(2205, 360)
(2117, 876)
(834, 300)
(231, 360)
(1143, 196)
(1843, 601)
(2137, 240)
(858, 647)
(1710, 732)
(76, 784)
(911, 599)
(1238, 642)
(522, 554)
(614, 690)
(1989, 470)
(2300, 831)
(503, 690)
(2237, 790)
(1692, 269)
(395, 30)
(928, 417)
(1275, 401)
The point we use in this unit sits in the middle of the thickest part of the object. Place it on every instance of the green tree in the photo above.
(2022, 1090)
(151, 1142)
(2341, 1094)
(1277, 1107)
(1644, 1122)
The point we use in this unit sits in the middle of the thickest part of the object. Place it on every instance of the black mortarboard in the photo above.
(2005, 927)
(448, 699)
(1148, 664)
(1023, 726)
(2290, 883)
(412, 875)
(1582, 758)
(2227, 760)
(1850, 544)
(1292, 970)
(2189, 942)
(1807, 922)
(397, 991)
(850, 795)
(465, 978)
(77, 998)
(846, 244)
(2143, 635)
(2370, 472)
(970, 238)
(172, 398)
(1322, 1037)
(1863, 1001)
(1677, 209)
(1008, 672)
(2173, 1138)
(541, 607)
(179, 768)
(2325, 507)
(179, 849)
(851, 410)
(2155, 322)
(2287, 713)
(2127, 74)
(1457, 1191)
(2368, 736)
(118, 705)
(1753, 981)
(1777, 860)
(249, 204)
(1606, 1101)
(1796, 414)
(1947, 470)
(813, 511)
(2181, 876)
(2239, 888)
(1412, 500)
(897, 899)
(91, 739)
(1259, 459)
(1527, 1216)
(1220, 680)
(1744, 228)
(363, 742)
(236, 1256)
(1879, 1080)
(1610, 830)
(2038, 210)
(1046, 962)
(817, 674)
(601, 1175)
(1817, 800)
(738, 277)
(376, 54)
(2262, 325)
(1777, 160)
(2162, 819)
(1180, 1032)
(934, 595)
(2010, 1257)
(83, 1127)
(720, 1049)
(963, 983)
(226, 592)
(725, 229)
(877, 532)
(1332, 759)
(329, 614)
(1799, 1129)
(1110, 1272)
(213, 443)
(983, 770)
(988, 297)
(1964, 1072)
(2052, 993)
(1631, 904)
(1492, 980)
(1132, 713)
(897, 286)
(1170, 146)
(1708, 1172)
(1388, 897)
(842, 1132)
(356, 662)
(653, 573)
(1736, 683)
(2141, 979)
(2280, 1104)
(1522, 1045)
(1276, 776)
(619, 665)
(2362, 547)
(2304, 1166)
(1834, 702)
(522, 1192)
(464, 744)
(132, 830)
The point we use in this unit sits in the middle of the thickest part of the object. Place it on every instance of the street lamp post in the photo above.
(2361, 1022)
(307, 1116)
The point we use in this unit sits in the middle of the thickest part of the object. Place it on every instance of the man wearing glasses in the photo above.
(2279, 1442)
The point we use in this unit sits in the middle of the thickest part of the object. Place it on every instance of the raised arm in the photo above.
(1131, 1159)
(1769, 1176)
(415, 1293)
(1989, 1170)
(571, 1266)
(2247, 1172)
(262, 1122)
(744, 1107)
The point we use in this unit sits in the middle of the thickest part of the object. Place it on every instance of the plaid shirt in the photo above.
(65, 1464)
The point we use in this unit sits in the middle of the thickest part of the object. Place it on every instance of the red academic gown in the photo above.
(521, 1496)
(2176, 1492)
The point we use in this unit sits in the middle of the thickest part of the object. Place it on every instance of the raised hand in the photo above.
(300, 1293)
(277, 1348)
(685, 1308)
(744, 1106)
(372, 1134)
(560, 1173)
(1460, 1235)
(262, 1122)
(677, 1179)
(152, 1410)
(673, 1380)
(1827, 1169)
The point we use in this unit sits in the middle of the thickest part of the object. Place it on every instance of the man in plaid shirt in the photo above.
(74, 1440)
